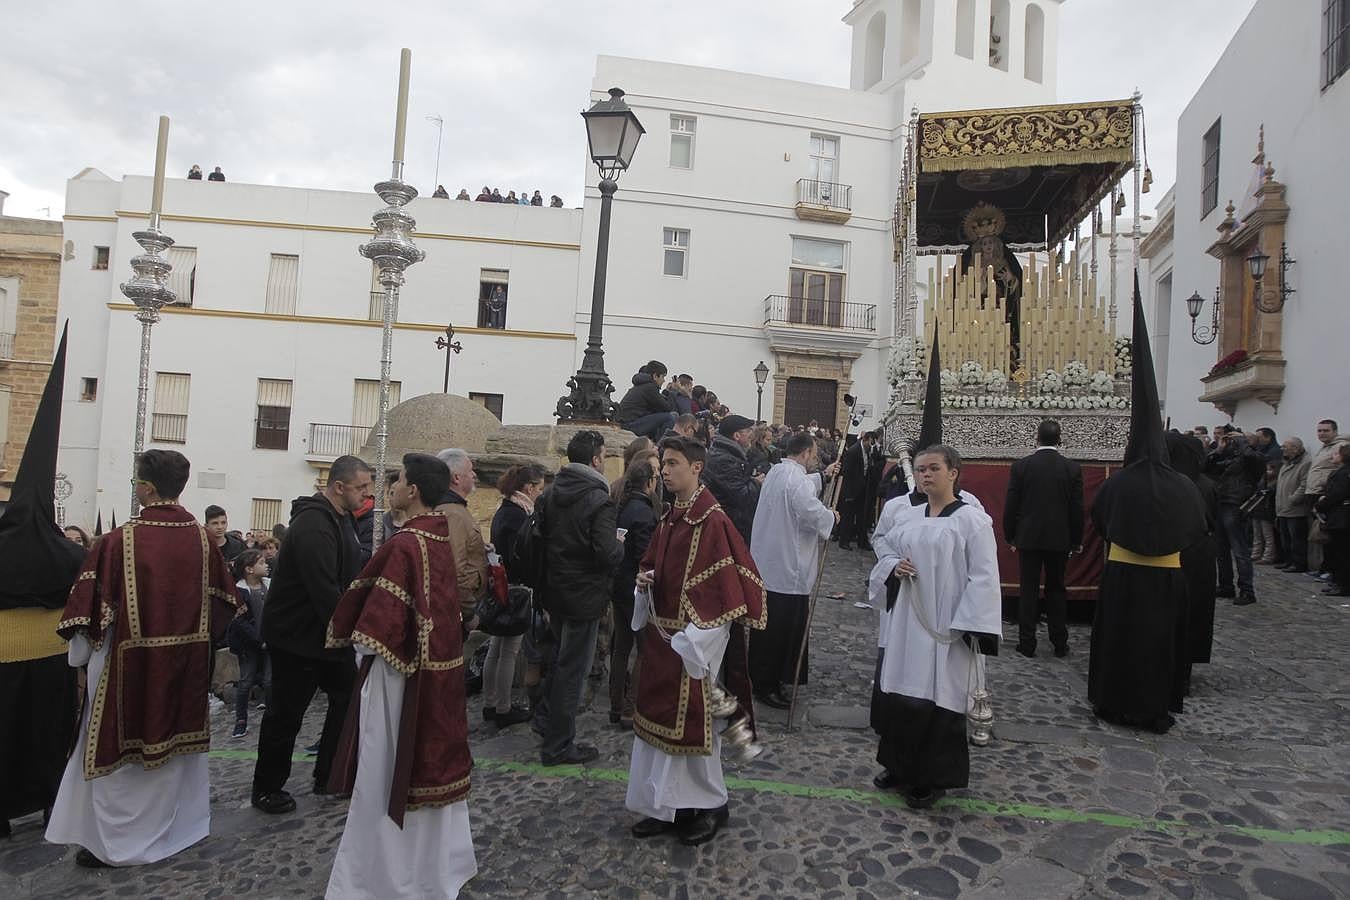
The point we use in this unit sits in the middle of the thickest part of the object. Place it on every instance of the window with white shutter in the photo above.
(168, 422)
(183, 278)
(283, 284)
(366, 408)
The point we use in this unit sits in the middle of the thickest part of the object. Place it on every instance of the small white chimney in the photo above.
(3, 195)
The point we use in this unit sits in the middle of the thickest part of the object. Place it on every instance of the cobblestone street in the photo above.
(1248, 796)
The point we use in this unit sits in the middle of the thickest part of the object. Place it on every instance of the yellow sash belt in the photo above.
(1117, 553)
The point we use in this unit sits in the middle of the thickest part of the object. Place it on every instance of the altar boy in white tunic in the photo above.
(791, 527)
(936, 582)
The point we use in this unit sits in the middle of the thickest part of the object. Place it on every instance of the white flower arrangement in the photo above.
(971, 374)
(1049, 382)
(995, 382)
(1124, 357)
(1102, 383)
(982, 401)
(907, 361)
(949, 381)
(1075, 374)
(1086, 402)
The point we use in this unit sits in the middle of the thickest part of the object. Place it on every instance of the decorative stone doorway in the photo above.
(803, 382)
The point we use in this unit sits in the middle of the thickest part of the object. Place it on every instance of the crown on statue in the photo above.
(983, 220)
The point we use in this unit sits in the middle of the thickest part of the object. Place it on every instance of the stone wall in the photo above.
(30, 251)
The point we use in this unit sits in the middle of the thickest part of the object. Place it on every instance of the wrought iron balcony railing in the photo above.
(819, 312)
(826, 194)
(332, 441)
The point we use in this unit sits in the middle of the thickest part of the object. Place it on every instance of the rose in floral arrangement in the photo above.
(1124, 357)
(949, 381)
(1075, 374)
(1102, 382)
(971, 374)
(995, 382)
(1231, 361)
(1049, 382)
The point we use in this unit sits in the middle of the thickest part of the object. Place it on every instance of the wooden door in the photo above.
(810, 398)
(815, 298)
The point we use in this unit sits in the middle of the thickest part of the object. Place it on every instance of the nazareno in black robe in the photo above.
(1140, 656)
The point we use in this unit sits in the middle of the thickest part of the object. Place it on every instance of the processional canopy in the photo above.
(1044, 168)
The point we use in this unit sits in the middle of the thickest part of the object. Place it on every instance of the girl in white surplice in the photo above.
(936, 584)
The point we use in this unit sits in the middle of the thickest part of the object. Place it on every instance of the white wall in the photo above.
(226, 341)
(1270, 73)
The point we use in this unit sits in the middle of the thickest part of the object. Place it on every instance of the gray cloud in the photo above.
(303, 93)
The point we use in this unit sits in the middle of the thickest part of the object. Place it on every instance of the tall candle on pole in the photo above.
(150, 292)
(392, 250)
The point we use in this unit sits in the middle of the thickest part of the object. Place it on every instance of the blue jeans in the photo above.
(254, 668)
(652, 425)
(567, 680)
(1235, 547)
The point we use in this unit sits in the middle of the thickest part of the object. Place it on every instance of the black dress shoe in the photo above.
(703, 827)
(576, 755)
(1245, 599)
(922, 798)
(651, 828)
(4, 828)
(87, 860)
(514, 716)
(886, 780)
(1225, 593)
(1028, 651)
(274, 804)
(774, 699)
(1062, 651)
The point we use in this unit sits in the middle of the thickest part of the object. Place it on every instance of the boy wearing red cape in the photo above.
(699, 591)
(150, 601)
(404, 754)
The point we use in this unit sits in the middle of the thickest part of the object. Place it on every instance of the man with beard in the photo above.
(699, 591)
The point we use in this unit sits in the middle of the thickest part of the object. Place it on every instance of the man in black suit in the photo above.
(876, 467)
(1043, 522)
(855, 475)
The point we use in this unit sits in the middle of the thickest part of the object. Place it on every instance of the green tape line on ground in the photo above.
(876, 798)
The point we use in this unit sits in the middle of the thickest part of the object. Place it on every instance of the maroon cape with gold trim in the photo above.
(704, 575)
(167, 595)
(405, 607)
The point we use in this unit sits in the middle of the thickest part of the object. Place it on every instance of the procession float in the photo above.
(997, 227)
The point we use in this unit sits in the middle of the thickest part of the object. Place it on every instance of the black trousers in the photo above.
(773, 651)
(852, 520)
(1032, 563)
(1338, 556)
(38, 722)
(294, 681)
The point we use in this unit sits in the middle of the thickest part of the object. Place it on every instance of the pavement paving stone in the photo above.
(1245, 797)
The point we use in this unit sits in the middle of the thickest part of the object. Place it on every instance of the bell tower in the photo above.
(1003, 51)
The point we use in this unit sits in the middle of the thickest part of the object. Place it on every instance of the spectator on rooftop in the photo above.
(523, 199)
(216, 175)
(484, 196)
(537, 199)
(497, 196)
(463, 194)
(195, 173)
(555, 202)
(441, 193)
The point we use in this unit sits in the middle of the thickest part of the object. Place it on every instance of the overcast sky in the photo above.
(302, 94)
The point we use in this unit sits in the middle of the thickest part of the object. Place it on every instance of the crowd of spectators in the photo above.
(494, 195)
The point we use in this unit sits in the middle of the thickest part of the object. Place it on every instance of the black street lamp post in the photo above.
(449, 345)
(1203, 334)
(761, 376)
(612, 131)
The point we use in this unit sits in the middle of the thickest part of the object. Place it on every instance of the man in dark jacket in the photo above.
(729, 474)
(319, 557)
(677, 393)
(643, 410)
(854, 477)
(578, 520)
(1043, 522)
(1237, 471)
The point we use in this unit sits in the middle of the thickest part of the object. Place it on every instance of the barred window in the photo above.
(1209, 170)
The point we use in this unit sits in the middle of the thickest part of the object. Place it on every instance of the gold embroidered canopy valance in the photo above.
(1044, 167)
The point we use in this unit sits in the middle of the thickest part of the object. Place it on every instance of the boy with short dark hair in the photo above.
(217, 528)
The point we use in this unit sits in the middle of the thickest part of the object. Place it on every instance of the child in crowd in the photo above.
(244, 636)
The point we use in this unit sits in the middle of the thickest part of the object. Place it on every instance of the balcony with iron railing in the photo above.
(824, 201)
(328, 442)
(6, 345)
(812, 324)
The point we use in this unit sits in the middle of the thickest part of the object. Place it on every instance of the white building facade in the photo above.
(755, 224)
(1283, 73)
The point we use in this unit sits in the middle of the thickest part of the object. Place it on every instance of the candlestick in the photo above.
(401, 122)
(161, 151)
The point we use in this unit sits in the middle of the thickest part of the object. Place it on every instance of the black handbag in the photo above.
(506, 619)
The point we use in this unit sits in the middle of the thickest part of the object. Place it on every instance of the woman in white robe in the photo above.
(937, 586)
